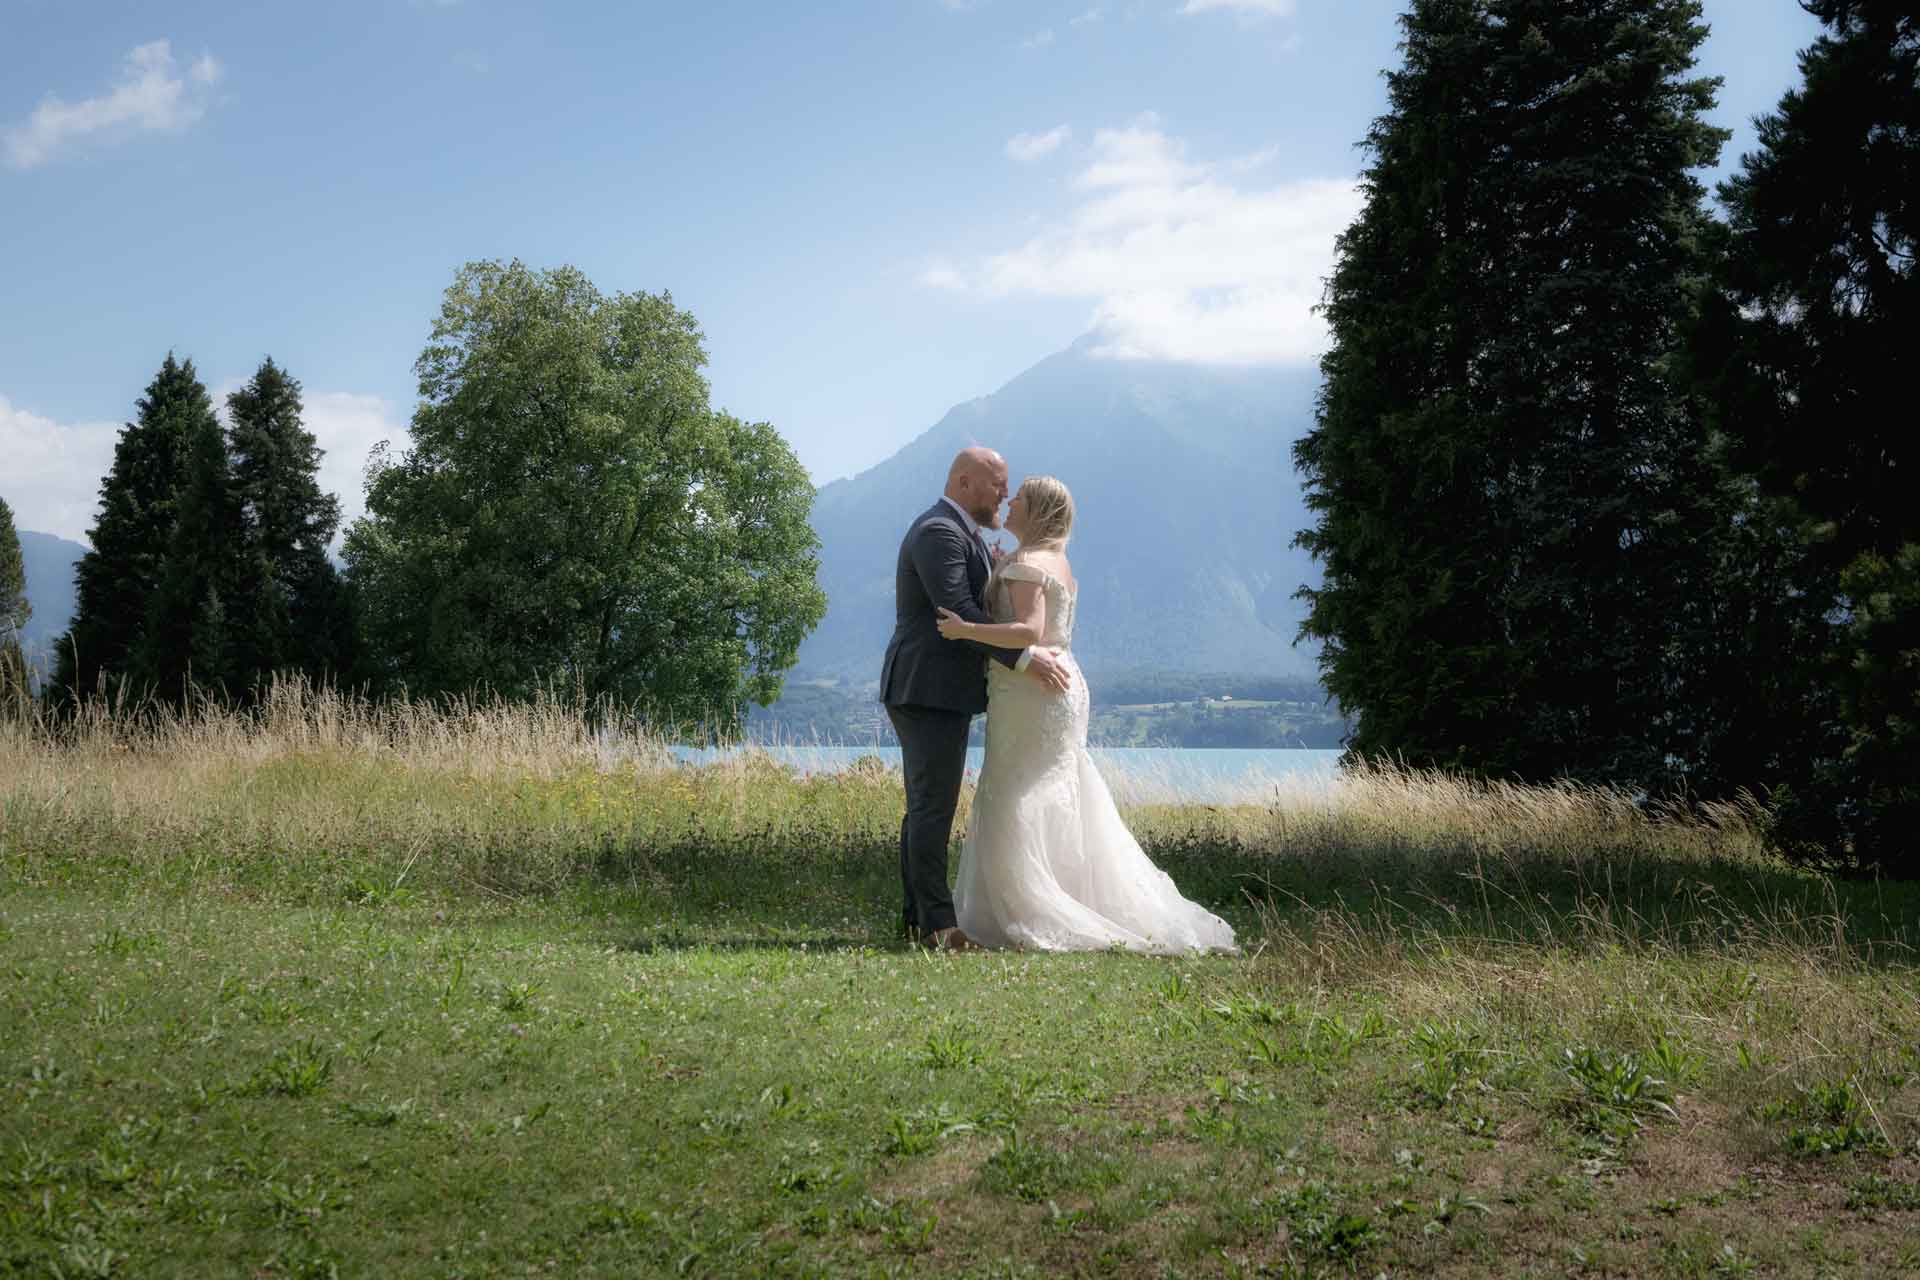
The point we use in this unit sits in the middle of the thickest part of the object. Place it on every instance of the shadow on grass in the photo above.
(1627, 897)
(827, 944)
(806, 890)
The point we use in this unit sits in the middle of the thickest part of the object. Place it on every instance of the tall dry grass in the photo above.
(316, 792)
(317, 788)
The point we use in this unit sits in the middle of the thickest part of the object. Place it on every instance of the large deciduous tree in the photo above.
(1805, 355)
(1509, 494)
(15, 609)
(572, 511)
(117, 578)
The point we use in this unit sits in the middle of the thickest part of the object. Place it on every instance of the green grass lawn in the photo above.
(277, 1008)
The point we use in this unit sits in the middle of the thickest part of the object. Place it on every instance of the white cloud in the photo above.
(347, 426)
(1028, 147)
(52, 476)
(1091, 15)
(53, 471)
(1039, 39)
(1247, 8)
(152, 96)
(942, 275)
(1180, 261)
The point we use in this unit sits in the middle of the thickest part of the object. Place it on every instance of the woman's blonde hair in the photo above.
(1049, 512)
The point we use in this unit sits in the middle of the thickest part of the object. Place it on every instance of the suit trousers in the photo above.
(933, 757)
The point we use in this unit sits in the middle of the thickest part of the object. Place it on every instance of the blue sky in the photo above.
(876, 209)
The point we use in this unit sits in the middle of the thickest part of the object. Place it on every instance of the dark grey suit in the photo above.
(933, 687)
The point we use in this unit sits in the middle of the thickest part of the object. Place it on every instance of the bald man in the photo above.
(933, 687)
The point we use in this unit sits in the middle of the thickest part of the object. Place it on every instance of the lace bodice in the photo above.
(1060, 601)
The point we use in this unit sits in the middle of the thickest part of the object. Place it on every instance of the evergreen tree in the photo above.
(14, 610)
(116, 579)
(290, 610)
(186, 639)
(1508, 490)
(1804, 357)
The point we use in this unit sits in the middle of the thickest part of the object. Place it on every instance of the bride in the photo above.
(1047, 863)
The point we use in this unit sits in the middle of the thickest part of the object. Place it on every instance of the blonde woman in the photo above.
(1047, 863)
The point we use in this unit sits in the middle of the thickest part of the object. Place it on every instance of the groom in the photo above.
(933, 687)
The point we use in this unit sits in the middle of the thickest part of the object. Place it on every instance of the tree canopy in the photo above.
(572, 511)
(1803, 355)
(290, 612)
(1506, 487)
(117, 578)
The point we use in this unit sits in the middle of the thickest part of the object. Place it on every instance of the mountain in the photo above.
(49, 563)
(1186, 498)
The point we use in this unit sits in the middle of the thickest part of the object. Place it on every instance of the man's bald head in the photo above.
(977, 483)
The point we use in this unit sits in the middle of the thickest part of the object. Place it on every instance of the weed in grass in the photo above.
(298, 1203)
(1878, 1192)
(906, 1230)
(455, 979)
(725, 1123)
(1833, 1116)
(372, 893)
(85, 1256)
(302, 1259)
(913, 1133)
(375, 1115)
(297, 1070)
(945, 1050)
(114, 1163)
(1449, 1207)
(1448, 1058)
(118, 942)
(518, 997)
(1315, 1218)
(796, 1177)
(1252, 1011)
(1616, 1092)
(1826, 1139)
(1675, 1063)
(1697, 1256)
(1027, 1170)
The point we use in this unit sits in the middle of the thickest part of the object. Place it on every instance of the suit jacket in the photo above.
(940, 565)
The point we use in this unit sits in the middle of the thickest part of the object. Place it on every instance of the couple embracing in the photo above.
(1046, 864)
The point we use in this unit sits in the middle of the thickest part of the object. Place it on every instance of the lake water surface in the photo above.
(1137, 775)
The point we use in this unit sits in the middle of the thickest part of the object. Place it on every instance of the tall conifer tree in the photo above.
(15, 609)
(290, 610)
(186, 638)
(1506, 487)
(138, 497)
(1806, 358)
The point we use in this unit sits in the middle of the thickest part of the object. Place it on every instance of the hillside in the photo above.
(49, 564)
(1188, 503)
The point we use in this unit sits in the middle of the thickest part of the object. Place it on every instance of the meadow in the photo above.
(340, 988)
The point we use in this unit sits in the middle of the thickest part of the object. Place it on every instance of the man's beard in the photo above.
(988, 517)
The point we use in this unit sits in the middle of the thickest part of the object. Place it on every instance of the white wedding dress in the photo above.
(1047, 864)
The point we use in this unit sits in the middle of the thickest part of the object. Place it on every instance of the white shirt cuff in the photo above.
(1026, 656)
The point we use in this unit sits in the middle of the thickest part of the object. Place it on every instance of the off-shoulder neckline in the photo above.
(1073, 592)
